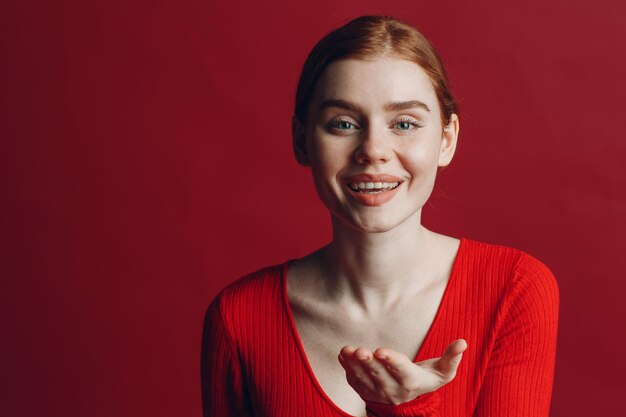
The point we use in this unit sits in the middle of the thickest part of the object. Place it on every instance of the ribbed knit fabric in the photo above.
(501, 300)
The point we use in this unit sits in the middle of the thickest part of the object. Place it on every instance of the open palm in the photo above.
(389, 377)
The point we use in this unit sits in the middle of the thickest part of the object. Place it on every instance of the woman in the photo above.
(390, 318)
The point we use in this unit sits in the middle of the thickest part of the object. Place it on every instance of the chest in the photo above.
(324, 329)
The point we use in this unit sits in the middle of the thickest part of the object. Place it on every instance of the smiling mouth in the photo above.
(372, 187)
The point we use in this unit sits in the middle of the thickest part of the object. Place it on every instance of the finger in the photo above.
(350, 362)
(360, 358)
(358, 361)
(376, 370)
(362, 354)
(358, 377)
(449, 361)
(397, 363)
(347, 351)
(344, 354)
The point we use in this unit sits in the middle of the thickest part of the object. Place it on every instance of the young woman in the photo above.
(390, 318)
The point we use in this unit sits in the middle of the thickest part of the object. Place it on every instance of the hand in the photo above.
(389, 377)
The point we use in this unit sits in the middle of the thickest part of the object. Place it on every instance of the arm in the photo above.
(520, 371)
(223, 391)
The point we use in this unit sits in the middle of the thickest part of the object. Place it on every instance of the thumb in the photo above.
(449, 361)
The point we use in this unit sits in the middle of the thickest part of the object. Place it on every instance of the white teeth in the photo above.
(362, 186)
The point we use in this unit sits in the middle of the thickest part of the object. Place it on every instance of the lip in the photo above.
(372, 199)
(372, 178)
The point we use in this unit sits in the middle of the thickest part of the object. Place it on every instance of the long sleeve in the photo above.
(501, 300)
(520, 372)
(426, 405)
(223, 391)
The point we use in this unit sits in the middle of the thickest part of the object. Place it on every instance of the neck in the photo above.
(375, 270)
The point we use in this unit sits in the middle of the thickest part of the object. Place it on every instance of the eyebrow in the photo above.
(342, 104)
(404, 105)
(391, 106)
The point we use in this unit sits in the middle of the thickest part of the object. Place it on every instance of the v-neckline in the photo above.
(429, 335)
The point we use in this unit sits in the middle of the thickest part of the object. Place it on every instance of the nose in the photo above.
(374, 147)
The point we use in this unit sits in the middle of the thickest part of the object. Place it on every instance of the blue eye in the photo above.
(343, 125)
(407, 124)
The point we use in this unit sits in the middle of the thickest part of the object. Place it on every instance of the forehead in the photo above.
(373, 82)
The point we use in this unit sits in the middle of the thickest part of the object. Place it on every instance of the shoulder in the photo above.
(517, 272)
(256, 291)
(533, 283)
(491, 253)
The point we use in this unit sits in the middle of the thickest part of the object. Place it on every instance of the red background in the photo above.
(146, 162)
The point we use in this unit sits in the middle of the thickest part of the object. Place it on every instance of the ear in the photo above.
(298, 137)
(448, 141)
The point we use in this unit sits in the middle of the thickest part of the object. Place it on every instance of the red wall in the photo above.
(145, 162)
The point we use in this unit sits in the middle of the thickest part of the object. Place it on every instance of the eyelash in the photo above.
(410, 121)
(335, 124)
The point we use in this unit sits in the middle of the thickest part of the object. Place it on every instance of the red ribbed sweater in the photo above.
(501, 300)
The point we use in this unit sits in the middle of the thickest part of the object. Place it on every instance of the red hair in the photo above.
(367, 37)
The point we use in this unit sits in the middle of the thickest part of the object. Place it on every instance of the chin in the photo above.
(373, 224)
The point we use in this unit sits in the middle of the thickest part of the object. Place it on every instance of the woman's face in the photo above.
(374, 141)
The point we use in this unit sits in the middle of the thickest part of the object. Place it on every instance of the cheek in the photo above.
(324, 167)
(328, 158)
(420, 161)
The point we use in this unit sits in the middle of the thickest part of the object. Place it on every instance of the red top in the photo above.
(501, 300)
